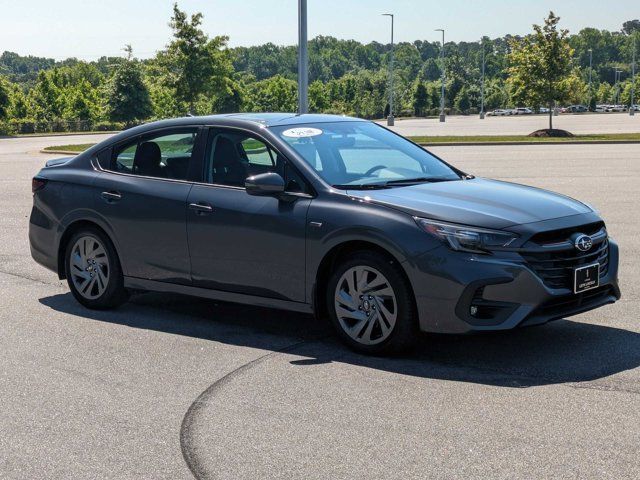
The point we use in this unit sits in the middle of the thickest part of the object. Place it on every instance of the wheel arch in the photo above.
(336, 254)
(71, 229)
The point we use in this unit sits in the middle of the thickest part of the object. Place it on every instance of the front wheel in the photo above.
(371, 305)
(93, 270)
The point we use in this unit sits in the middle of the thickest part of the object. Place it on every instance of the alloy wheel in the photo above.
(366, 305)
(89, 267)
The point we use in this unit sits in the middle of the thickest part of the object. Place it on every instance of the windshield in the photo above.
(363, 154)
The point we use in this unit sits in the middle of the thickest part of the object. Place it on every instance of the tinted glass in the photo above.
(234, 156)
(362, 153)
(162, 156)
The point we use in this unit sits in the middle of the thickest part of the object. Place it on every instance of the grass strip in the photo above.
(433, 140)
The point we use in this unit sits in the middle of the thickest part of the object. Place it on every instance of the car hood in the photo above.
(479, 202)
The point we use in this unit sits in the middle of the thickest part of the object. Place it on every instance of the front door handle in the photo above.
(201, 207)
(111, 196)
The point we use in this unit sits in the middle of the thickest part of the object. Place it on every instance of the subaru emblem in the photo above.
(583, 243)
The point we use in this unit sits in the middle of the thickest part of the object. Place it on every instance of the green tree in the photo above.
(81, 102)
(5, 99)
(128, 98)
(631, 26)
(318, 99)
(420, 99)
(275, 94)
(463, 101)
(193, 64)
(605, 93)
(18, 107)
(229, 98)
(45, 101)
(541, 66)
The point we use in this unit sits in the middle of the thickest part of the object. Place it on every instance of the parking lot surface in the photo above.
(519, 125)
(172, 387)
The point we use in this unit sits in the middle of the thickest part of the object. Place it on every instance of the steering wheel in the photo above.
(372, 170)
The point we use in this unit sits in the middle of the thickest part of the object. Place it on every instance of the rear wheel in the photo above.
(93, 270)
(371, 306)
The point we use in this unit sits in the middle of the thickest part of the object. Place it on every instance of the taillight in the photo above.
(37, 183)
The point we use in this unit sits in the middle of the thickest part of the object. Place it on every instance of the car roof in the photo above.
(246, 120)
(251, 121)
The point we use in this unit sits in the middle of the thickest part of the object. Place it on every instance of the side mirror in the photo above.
(264, 184)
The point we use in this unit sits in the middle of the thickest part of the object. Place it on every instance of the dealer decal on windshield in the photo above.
(302, 132)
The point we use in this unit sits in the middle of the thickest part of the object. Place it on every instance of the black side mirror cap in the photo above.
(265, 184)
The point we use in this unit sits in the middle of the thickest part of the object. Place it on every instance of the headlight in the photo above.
(465, 238)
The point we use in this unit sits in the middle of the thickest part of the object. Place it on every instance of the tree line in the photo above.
(198, 74)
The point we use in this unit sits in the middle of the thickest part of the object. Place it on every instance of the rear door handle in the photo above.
(111, 196)
(201, 207)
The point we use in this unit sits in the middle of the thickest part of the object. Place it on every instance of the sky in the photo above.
(89, 29)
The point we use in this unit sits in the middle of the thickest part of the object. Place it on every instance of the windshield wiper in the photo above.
(362, 186)
(414, 181)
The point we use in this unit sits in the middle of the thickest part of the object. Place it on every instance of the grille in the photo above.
(555, 262)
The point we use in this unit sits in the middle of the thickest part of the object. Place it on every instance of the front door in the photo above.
(242, 243)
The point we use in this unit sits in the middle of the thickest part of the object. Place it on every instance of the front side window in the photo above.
(165, 155)
(363, 154)
(233, 156)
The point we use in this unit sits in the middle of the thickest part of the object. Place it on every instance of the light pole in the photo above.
(390, 119)
(618, 72)
(442, 116)
(632, 108)
(590, 76)
(482, 85)
(303, 59)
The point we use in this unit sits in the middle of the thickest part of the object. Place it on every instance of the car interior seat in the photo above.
(147, 160)
(228, 167)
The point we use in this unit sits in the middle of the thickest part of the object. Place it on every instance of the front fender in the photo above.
(339, 220)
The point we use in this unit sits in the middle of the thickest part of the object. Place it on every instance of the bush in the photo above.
(108, 126)
(22, 126)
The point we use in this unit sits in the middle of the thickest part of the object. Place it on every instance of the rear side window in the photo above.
(165, 155)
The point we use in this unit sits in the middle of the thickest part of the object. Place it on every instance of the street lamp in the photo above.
(590, 75)
(617, 80)
(303, 59)
(482, 84)
(390, 119)
(442, 116)
(632, 108)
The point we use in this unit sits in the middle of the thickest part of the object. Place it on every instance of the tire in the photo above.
(93, 270)
(370, 303)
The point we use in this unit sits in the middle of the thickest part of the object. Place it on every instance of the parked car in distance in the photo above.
(601, 108)
(577, 109)
(523, 111)
(317, 213)
(544, 110)
(499, 113)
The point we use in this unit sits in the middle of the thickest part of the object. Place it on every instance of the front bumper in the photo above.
(506, 292)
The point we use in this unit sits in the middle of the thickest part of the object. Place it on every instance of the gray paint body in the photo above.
(267, 251)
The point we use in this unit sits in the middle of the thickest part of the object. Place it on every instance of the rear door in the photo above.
(242, 243)
(143, 194)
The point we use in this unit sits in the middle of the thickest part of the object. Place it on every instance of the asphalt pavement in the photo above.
(172, 387)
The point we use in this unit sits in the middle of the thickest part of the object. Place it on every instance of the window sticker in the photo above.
(303, 132)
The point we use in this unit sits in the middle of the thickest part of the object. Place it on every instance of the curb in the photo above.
(60, 152)
(562, 142)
